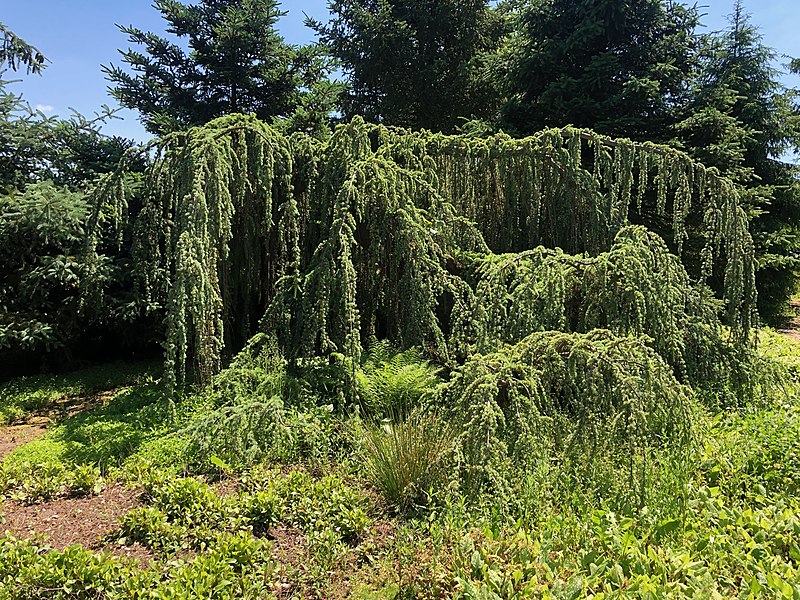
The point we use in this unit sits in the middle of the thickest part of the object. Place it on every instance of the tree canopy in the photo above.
(374, 233)
(250, 216)
(741, 120)
(617, 66)
(235, 61)
(53, 293)
(414, 64)
(16, 52)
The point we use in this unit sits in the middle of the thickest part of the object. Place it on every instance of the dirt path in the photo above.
(792, 329)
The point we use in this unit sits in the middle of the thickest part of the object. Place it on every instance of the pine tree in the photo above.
(616, 66)
(414, 63)
(741, 122)
(236, 62)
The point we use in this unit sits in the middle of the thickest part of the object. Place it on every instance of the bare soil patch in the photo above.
(228, 486)
(792, 329)
(135, 551)
(289, 547)
(68, 521)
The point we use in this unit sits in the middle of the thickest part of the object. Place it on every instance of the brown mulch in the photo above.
(85, 520)
(136, 551)
(228, 486)
(383, 534)
(289, 547)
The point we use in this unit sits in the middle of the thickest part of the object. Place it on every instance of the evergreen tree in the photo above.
(236, 62)
(617, 66)
(21, 134)
(69, 152)
(741, 122)
(374, 234)
(414, 63)
(56, 296)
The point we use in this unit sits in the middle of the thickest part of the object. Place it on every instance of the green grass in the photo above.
(26, 395)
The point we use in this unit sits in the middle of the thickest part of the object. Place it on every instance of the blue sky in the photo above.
(80, 35)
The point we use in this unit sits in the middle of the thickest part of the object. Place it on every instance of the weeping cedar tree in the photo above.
(237, 62)
(414, 63)
(16, 52)
(380, 233)
(616, 66)
(741, 121)
(374, 234)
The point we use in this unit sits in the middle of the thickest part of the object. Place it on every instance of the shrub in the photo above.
(299, 500)
(394, 382)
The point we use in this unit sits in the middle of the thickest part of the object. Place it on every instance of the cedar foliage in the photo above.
(568, 393)
(636, 288)
(232, 176)
(373, 234)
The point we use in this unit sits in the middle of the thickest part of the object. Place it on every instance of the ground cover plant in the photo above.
(24, 396)
(717, 522)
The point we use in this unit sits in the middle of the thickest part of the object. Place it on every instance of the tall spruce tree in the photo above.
(414, 63)
(741, 122)
(617, 66)
(236, 62)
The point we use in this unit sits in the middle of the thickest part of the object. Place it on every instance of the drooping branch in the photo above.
(564, 391)
(375, 233)
(16, 52)
(636, 288)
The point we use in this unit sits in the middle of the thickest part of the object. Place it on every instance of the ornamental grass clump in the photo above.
(405, 459)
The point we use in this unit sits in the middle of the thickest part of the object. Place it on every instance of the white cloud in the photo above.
(45, 108)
